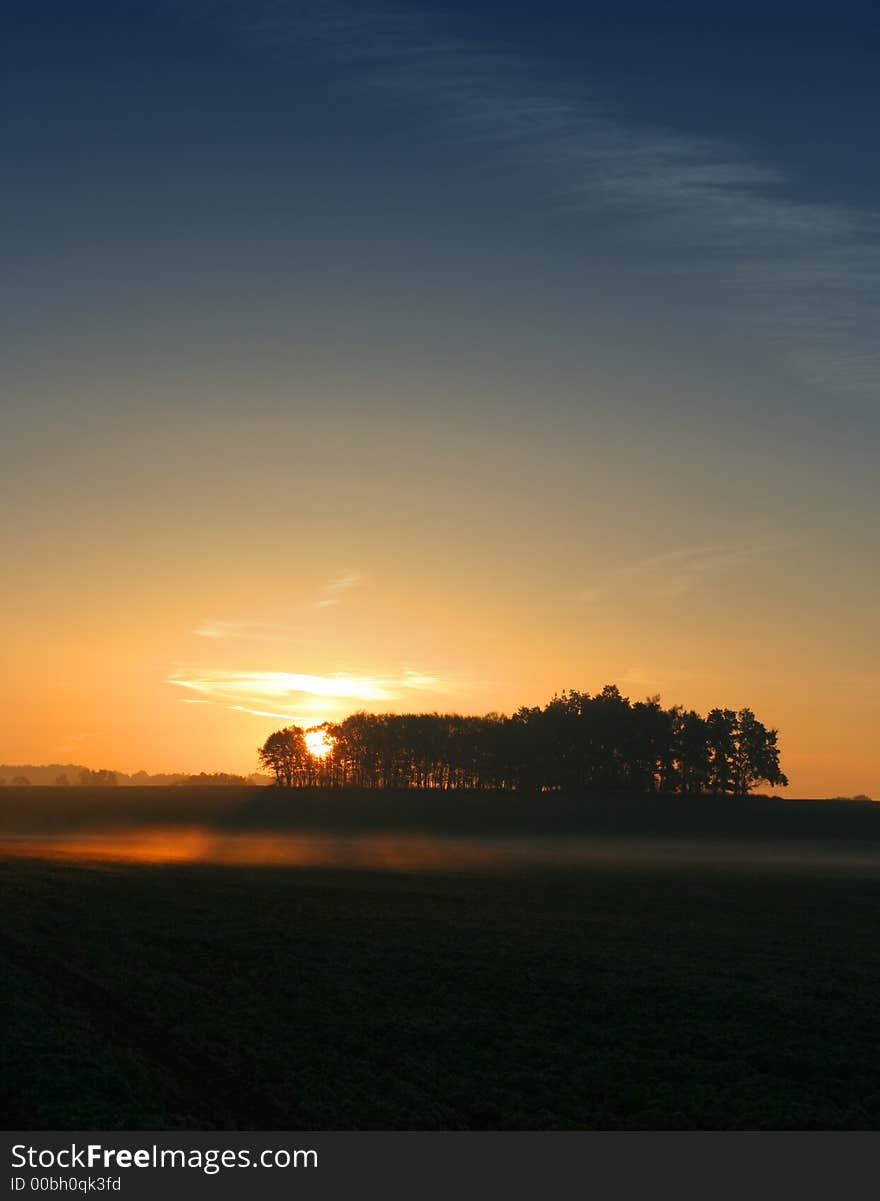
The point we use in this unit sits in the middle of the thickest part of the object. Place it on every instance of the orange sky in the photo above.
(171, 626)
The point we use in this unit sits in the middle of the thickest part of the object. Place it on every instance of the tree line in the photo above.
(577, 742)
(84, 777)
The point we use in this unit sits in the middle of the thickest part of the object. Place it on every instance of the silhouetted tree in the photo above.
(721, 748)
(756, 755)
(576, 743)
(286, 755)
(690, 766)
(103, 778)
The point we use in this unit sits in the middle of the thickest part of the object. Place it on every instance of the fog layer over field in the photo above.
(421, 831)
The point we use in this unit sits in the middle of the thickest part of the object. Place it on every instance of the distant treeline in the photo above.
(577, 742)
(75, 775)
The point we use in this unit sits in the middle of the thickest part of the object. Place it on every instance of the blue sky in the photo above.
(728, 153)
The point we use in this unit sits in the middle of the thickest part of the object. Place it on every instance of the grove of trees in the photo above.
(575, 743)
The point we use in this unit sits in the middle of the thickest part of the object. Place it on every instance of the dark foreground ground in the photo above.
(611, 996)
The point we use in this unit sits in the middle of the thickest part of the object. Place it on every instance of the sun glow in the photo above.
(318, 743)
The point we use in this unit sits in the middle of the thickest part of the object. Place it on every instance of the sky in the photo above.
(436, 357)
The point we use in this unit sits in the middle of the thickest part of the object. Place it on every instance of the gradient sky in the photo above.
(434, 356)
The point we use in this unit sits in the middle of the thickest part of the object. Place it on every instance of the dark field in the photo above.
(53, 810)
(643, 991)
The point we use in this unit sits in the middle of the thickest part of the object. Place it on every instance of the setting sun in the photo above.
(318, 743)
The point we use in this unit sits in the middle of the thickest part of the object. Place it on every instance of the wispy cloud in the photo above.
(297, 696)
(259, 629)
(415, 679)
(806, 275)
(333, 590)
(70, 743)
(251, 631)
(293, 718)
(673, 573)
(264, 684)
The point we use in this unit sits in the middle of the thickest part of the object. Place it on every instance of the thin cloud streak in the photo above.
(288, 717)
(313, 699)
(251, 631)
(805, 275)
(70, 743)
(415, 679)
(673, 573)
(324, 697)
(258, 630)
(333, 589)
(265, 684)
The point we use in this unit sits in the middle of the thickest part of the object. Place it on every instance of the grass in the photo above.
(202, 997)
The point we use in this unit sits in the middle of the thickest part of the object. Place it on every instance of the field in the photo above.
(629, 992)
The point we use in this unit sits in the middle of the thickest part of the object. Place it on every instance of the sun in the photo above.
(318, 743)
